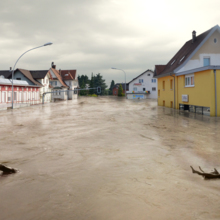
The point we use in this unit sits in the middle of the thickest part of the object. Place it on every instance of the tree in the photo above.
(98, 81)
(120, 90)
(91, 85)
(111, 87)
(82, 86)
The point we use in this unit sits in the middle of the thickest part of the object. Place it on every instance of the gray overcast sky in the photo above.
(95, 35)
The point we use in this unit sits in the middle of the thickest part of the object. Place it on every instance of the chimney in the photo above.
(53, 66)
(60, 72)
(10, 69)
(193, 36)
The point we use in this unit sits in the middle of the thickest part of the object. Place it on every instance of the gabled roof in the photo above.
(159, 69)
(8, 74)
(185, 53)
(123, 86)
(39, 74)
(58, 76)
(29, 76)
(68, 74)
(141, 75)
(5, 73)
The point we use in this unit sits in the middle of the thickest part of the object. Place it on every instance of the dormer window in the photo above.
(206, 61)
(172, 62)
(182, 59)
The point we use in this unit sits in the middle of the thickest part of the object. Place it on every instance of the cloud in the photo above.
(93, 36)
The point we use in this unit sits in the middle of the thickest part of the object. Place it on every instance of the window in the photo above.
(171, 104)
(9, 96)
(206, 61)
(189, 80)
(153, 88)
(215, 40)
(153, 80)
(143, 89)
(15, 96)
(135, 88)
(148, 74)
(55, 83)
(163, 85)
(18, 78)
(171, 84)
(141, 80)
(59, 92)
(173, 62)
(182, 59)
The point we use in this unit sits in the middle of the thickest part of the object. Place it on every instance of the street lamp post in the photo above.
(125, 78)
(47, 44)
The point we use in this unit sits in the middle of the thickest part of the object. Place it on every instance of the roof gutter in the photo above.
(162, 75)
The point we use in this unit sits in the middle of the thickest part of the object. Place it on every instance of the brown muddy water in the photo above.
(108, 158)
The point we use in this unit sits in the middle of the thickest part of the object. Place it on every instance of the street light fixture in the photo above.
(47, 44)
(125, 78)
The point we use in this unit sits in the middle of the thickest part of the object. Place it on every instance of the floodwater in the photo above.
(108, 159)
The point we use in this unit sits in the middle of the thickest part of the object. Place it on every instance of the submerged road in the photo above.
(108, 158)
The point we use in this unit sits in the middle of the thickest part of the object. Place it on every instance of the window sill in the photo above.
(189, 86)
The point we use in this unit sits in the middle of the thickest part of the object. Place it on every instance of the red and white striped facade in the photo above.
(23, 93)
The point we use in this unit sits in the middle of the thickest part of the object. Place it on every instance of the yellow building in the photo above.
(191, 80)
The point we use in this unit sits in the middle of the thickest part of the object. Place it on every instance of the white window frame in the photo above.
(141, 81)
(189, 80)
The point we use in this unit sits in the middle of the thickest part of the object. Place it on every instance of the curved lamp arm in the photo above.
(47, 44)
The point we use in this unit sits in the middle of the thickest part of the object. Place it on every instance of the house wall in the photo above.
(45, 82)
(147, 84)
(60, 94)
(201, 94)
(202, 91)
(209, 49)
(18, 74)
(165, 94)
(23, 94)
(115, 91)
(72, 85)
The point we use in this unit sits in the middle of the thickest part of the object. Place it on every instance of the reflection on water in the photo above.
(108, 158)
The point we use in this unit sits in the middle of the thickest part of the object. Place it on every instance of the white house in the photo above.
(62, 81)
(143, 86)
(70, 79)
(43, 77)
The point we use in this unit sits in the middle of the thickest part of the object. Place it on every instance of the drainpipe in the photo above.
(215, 93)
(174, 91)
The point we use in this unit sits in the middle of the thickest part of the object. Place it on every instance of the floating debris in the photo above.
(7, 170)
(212, 175)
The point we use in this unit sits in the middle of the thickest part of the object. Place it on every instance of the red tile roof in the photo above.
(56, 73)
(68, 74)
